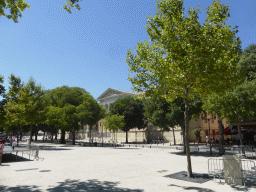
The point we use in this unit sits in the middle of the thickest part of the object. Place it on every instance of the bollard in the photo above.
(123, 145)
(136, 146)
(129, 145)
(150, 146)
(143, 146)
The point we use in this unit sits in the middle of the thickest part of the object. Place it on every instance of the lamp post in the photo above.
(209, 137)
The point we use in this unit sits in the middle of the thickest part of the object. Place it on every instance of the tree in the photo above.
(27, 107)
(168, 114)
(184, 57)
(114, 122)
(132, 110)
(10, 99)
(53, 119)
(90, 112)
(72, 108)
(248, 62)
(2, 102)
(64, 99)
(15, 7)
(236, 104)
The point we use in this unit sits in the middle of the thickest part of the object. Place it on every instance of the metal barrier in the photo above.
(216, 169)
(31, 150)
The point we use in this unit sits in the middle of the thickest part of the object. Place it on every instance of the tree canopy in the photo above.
(248, 62)
(73, 107)
(15, 7)
(184, 57)
(132, 110)
(114, 122)
(25, 105)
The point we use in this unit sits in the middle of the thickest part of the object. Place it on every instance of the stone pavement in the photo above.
(78, 168)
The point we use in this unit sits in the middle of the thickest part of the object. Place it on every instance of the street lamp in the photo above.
(209, 137)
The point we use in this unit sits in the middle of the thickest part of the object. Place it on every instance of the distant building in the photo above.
(149, 134)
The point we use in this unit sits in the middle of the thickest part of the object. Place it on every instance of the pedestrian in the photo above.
(3, 141)
(1, 152)
(13, 144)
(10, 140)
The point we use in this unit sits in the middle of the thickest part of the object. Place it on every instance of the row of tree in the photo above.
(29, 107)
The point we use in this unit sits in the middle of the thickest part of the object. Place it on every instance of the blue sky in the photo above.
(88, 47)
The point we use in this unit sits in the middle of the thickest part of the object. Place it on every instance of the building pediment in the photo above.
(111, 93)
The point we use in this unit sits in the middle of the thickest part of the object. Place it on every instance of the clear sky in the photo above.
(88, 47)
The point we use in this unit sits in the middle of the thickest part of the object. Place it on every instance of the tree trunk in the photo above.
(186, 135)
(62, 139)
(21, 135)
(240, 136)
(90, 128)
(31, 133)
(56, 135)
(43, 136)
(126, 136)
(221, 139)
(74, 138)
(174, 141)
(52, 137)
(183, 136)
(36, 135)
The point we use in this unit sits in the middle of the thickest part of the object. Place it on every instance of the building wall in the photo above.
(203, 123)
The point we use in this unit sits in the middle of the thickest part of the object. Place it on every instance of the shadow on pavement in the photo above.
(203, 154)
(197, 177)
(198, 189)
(51, 148)
(249, 185)
(9, 158)
(73, 185)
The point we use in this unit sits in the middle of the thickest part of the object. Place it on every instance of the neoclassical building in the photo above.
(148, 134)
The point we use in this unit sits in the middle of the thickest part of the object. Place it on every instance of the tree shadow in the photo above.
(249, 185)
(51, 148)
(197, 177)
(10, 158)
(200, 153)
(199, 189)
(73, 185)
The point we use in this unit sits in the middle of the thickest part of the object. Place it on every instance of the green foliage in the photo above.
(114, 122)
(71, 4)
(131, 109)
(90, 112)
(248, 62)
(73, 105)
(15, 7)
(184, 54)
(236, 103)
(2, 102)
(25, 104)
(168, 114)
(184, 57)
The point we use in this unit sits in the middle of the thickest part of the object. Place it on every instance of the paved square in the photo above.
(77, 168)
